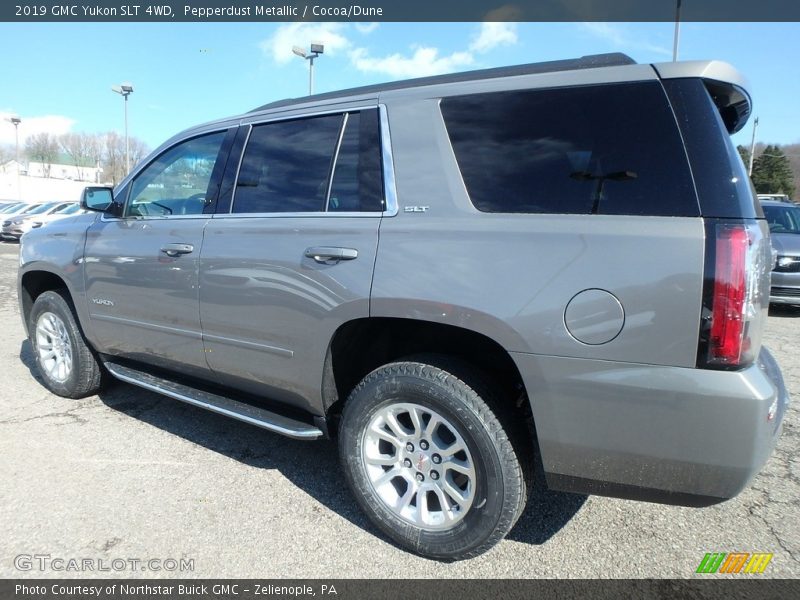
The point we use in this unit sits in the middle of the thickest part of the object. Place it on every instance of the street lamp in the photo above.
(125, 90)
(15, 121)
(677, 39)
(316, 50)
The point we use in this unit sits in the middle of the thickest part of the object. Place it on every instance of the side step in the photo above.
(218, 404)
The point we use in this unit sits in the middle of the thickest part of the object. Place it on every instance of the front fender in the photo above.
(54, 251)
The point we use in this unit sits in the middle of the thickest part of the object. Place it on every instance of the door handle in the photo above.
(174, 250)
(328, 255)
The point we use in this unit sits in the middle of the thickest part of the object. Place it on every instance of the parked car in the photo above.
(774, 197)
(24, 208)
(458, 277)
(65, 210)
(784, 226)
(15, 226)
(10, 207)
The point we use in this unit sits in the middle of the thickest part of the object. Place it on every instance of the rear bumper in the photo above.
(666, 434)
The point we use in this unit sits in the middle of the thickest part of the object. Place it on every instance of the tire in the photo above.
(67, 365)
(476, 490)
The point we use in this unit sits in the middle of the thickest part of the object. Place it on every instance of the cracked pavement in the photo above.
(129, 474)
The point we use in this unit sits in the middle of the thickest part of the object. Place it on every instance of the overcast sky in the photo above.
(58, 77)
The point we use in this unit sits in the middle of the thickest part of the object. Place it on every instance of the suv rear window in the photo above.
(607, 149)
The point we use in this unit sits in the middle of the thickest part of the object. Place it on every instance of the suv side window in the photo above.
(177, 182)
(358, 177)
(607, 149)
(286, 165)
(317, 164)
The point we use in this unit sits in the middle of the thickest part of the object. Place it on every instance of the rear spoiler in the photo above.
(726, 86)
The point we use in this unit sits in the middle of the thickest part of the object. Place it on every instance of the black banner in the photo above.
(735, 588)
(400, 10)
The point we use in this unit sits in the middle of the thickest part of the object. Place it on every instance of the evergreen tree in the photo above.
(772, 173)
(745, 154)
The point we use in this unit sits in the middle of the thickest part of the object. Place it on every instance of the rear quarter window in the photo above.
(607, 149)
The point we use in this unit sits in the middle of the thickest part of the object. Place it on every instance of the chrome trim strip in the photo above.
(195, 335)
(245, 344)
(295, 215)
(309, 433)
(305, 115)
(387, 159)
(133, 218)
(336, 159)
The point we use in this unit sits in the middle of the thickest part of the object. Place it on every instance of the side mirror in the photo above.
(100, 199)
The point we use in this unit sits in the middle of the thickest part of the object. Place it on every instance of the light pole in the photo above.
(316, 50)
(752, 148)
(125, 90)
(15, 121)
(677, 39)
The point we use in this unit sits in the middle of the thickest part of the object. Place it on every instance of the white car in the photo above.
(15, 226)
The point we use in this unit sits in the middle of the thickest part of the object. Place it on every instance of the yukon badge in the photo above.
(416, 209)
(102, 302)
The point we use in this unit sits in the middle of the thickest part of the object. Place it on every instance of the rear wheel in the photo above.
(68, 366)
(430, 462)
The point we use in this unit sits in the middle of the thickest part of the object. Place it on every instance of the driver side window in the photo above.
(177, 182)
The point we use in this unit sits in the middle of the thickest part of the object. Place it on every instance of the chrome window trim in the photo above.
(294, 215)
(387, 165)
(307, 115)
(106, 219)
(335, 163)
(387, 160)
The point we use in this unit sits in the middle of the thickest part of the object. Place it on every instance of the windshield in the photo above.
(39, 209)
(67, 210)
(783, 219)
(10, 208)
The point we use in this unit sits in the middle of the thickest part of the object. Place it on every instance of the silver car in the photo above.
(15, 226)
(784, 227)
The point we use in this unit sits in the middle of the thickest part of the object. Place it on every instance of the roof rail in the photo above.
(585, 62)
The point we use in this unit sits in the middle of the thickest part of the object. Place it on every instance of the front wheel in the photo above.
(68, 366)
(430, 462)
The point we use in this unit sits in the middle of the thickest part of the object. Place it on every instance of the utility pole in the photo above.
(752, 148)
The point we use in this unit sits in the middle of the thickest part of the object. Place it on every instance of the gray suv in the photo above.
(459, 277)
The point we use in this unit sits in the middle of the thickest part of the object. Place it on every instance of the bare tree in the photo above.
(7, 153)
(113, 146)
(138, 150)
(42, 148)
(94, 150)
(78, 146)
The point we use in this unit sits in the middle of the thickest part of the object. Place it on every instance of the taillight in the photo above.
(736, 293)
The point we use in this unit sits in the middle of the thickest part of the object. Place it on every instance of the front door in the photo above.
(293, 258)
(142, 269)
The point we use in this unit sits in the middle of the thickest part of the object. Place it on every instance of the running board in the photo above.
(218, 404)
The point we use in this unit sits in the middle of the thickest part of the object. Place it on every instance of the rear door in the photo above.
(142, 269)
(291, 258)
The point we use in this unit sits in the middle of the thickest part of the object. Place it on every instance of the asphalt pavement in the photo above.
(131, 476)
